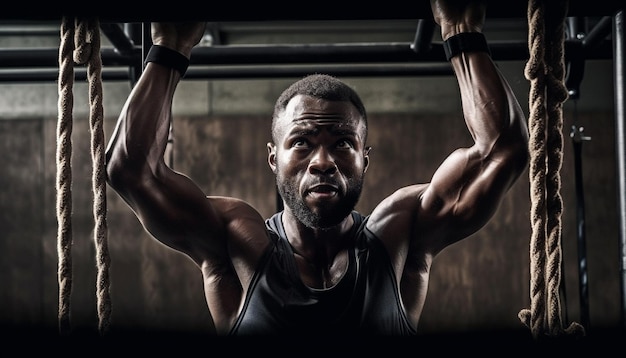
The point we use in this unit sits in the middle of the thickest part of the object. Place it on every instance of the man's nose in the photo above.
(322, 163)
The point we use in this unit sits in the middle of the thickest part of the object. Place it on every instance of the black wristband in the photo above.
(465, 42)
(168, 57)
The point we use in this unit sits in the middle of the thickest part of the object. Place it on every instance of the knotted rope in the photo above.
(80, 44)
(546, 72)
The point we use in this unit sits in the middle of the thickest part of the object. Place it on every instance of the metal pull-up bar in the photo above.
(255, 61)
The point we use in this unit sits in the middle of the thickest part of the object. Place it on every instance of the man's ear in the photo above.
(366, 158)
(271, 156)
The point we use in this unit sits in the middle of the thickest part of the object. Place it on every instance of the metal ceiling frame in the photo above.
(128, 31)
(420, 57)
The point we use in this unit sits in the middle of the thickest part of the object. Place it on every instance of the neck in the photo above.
(321, 255)
(318, 246)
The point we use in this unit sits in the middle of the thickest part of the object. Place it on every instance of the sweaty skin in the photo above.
(320, 158)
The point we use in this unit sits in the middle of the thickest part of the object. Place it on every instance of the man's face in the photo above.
(319, 160)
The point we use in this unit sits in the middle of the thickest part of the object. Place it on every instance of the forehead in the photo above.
(307, 111)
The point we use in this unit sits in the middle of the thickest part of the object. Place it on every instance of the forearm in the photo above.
(489, 105)
(490, 108)
(140, 138)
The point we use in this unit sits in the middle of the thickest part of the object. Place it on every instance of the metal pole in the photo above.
(38, 75)
(583, 282)
(424, 35)
(598, 33)
(620, 141)
(348, 53)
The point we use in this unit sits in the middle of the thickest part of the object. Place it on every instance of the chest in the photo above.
(321, 274)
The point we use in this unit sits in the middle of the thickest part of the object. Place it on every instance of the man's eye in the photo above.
(299, 143)
(344, 144)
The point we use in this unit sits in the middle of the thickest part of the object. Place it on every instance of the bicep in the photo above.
(465, 191)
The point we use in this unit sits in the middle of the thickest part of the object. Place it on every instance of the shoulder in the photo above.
(404, 201)
(395, 218)
(247, 236)
(244, 225)
(231, 209)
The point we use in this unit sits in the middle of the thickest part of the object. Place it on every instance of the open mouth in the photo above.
(322, 191)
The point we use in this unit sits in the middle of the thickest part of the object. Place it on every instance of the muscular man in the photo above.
(319, 266)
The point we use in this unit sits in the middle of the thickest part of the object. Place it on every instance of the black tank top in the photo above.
(364, 301)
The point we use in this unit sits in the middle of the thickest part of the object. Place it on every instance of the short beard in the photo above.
(328, 216)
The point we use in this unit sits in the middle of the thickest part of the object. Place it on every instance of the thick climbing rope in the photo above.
(546, 71)
(64, 175)
(80, 44)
